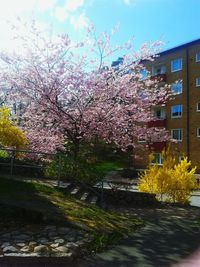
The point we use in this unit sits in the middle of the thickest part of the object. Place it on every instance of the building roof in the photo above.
(165, 52)
(185, 45)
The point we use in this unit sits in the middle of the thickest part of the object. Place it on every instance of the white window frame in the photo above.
(160, 159)
(198, 132)
(181, 130)
(198, 82)
(179, 116)
(177, 84)
(198, 107)
(181, 65)
(163, 113)
(197, 60)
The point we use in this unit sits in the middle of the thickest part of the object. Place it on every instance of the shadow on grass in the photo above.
(29, 202)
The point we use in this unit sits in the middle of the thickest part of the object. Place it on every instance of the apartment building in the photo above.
(179, 67)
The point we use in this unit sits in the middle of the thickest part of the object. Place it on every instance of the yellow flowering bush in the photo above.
(10, 134)
(173, 180)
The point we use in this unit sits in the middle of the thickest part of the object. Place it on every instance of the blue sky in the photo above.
(172, 21)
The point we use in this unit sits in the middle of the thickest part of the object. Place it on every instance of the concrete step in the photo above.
(84, 196)
(75, 190)
(94, 200)
(64, 184)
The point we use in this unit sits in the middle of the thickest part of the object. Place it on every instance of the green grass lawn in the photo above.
(106, 167)
(55, 207)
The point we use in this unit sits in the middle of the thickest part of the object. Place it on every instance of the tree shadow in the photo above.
(23, 201)
(168, 237)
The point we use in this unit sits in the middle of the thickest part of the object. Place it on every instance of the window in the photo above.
(176, 65)
(157, 159)
(177, 134)
(198, 132)
(198, 57)
(176, 111)
(198, 107)
(177, 88)
(143, 74)
(198, 82)
(158, 70)
(159, 113)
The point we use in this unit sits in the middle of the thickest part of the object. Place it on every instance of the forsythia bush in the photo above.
(10, 135)
(173, 180)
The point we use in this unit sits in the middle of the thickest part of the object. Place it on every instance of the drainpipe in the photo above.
(187, 103)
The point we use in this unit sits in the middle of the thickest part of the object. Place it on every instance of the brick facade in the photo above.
(190, 96)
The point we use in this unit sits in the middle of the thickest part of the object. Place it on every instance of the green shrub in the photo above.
(68, 169)
(3, 154)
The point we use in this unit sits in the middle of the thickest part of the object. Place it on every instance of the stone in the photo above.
(10, 249)
(70, 238)
(72, 245)
(5, 244)
(25, 249)
(50, 228)
(20, 244)
(59, 240)
(43, 240)
(63, 230)
(66, 255)
(62, 249)
(81, 243)
(32, 243)
(21, 254)
(22, 237)
(41, 249)
(52, 234)
(6, 235)
(55, 245)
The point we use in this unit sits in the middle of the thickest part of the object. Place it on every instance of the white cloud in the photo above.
(10, 8)
(29, 10)
(44, 5)
(26, 10)
(70, 6)
(80, 22)
(61, 14)
(73, 5)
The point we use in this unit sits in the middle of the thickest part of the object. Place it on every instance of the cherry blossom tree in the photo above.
(73, 94)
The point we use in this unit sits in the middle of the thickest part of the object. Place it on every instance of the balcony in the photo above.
(157, 146)
(157, 123)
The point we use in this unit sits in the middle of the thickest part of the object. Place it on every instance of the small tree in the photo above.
(173, 180)
(10, 134)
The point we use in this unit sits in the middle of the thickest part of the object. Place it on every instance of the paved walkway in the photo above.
(169, 236)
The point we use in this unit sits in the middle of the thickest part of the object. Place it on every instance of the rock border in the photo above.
(43, 241)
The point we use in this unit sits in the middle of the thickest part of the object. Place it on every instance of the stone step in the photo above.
(64, 184)
(69, 188)
(84, 196)
(75, 191)
(94, 200)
